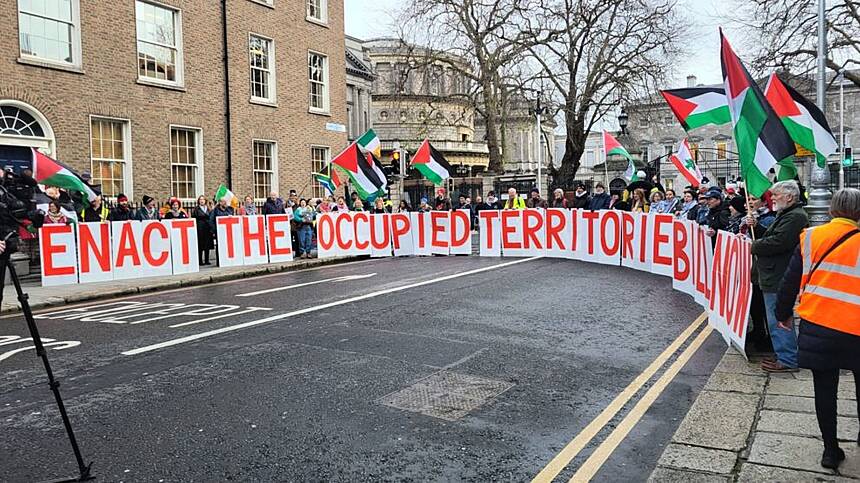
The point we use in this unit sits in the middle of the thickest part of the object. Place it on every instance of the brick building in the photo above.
(138, 93)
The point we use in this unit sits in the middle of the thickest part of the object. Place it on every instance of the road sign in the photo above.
(800, 151)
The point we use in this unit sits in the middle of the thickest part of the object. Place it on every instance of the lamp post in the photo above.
(539, 110)
(841, 128)
(819, 193)
(623, 119)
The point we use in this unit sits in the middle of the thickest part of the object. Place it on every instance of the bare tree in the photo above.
(489, 40)
(608, 51)
(787, 34)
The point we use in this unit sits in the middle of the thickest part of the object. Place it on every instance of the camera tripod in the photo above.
(84, 469)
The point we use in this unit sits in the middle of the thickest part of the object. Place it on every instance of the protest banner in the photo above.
(94, 252)
(228, 230)
(490, 233)
(280, 243)
(380, 235)
(461, 233)
(57, 248)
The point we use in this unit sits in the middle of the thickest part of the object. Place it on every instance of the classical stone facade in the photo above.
(359, 89)
(137, 92)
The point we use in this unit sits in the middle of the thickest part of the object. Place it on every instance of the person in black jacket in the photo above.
(274, 205)
(599, 200)
(121, 212)
(580, 199)
(718, 214)
(204, 229)
(558, 200)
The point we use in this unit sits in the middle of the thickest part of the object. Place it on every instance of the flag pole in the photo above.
(605, 163)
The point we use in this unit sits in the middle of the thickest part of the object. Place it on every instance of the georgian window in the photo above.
(318, 10)
(159, 43)
(262, 60)
(109, 155)
(186, 160)
(319, 161)
(722, 150)
(318, 78)
(50, 30)
(265, 165)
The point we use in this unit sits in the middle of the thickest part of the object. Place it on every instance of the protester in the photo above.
(341, 204)
(248, 207)
(616, 203)
(204, 230)
(638, 203)
(122, 212)
(671, 203)
(688, 203)
(323, 207)
(737, 214)
(379, 207)
(148, 211)
(718, 214)
(221, 209)
(558, 200)
(599, 200)
(535, 200)
(352, 199)
(731, 191)
(656, 202)
(493, 202)
(304, 217)
(95, 212)
(273, 205)
(54, 216)
(699, 214)
(514, 202)
(293, 199)
(175, 211)
(441, 202)
(424, 206)
(823, 270)
(358, 205)
(404, 207)
(580, 198)
(772, 250)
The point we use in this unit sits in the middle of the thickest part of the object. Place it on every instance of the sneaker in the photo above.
(832, 457)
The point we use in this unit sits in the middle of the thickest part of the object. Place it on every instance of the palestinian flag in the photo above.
(698, 106)
(363, 170)
(759, 134)
(686, 165)
(369, 143)
(802, 119)
(325, 181)
(611, 147)
(50, 172)
(224, 192)
(431, 163)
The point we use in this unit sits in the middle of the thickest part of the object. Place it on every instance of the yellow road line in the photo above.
(587, 471)
(569, 452)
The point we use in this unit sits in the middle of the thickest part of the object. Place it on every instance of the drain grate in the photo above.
(446, 395)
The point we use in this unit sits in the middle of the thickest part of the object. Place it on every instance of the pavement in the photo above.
(422, 368)
(751, 426)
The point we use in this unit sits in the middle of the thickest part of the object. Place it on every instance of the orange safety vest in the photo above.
(831, 297)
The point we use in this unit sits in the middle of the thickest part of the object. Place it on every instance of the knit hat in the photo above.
(147, 199)
(731, 188)
(714, 193)
(535, 190)
(121, 197)
(739, 204)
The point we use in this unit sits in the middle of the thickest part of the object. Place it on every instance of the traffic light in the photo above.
(395, 162)
(847, 157)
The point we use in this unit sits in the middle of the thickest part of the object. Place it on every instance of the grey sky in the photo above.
(374, 18)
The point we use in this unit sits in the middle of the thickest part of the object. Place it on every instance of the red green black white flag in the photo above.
(50, 172)
(698, 106)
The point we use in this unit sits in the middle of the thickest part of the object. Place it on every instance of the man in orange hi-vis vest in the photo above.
(825, 271)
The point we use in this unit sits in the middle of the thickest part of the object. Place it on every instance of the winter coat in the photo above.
(773, 247)
(536, 203)
(819, 347)
(215, 213)
(442, 204)
(204, 229)
(702, 214)
(718, 218)
(90, 214)
(120, 214)
(143, 215)
(580, 202)
(599, 201)
(274, 207)
(179, 215)
(558, 203)
(735, 223)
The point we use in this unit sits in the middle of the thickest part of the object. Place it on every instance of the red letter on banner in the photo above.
(88, 246)
(325, 235)
(259, 235)
(49, 249)
(185, 228)
(555, 223)
(459, 219)
(508, 229)
(609, 251)
(661, 240)
(489, 216)
(680, 241)
(127, 246)
(147, 244)
(628, 229)
(364, 218)
(436, 228)
(228, 222)
(590, 217)
(399, 228)
(530, 238)
(337, 232)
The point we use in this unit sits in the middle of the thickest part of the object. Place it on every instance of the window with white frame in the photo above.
(318, 10)
(722, 150)
(643, 122)
(262, 59)
(185, 160)
(159, 43)
(50, 30)
(108, 155)
(265, 161)
(319, 161)
(318, 77)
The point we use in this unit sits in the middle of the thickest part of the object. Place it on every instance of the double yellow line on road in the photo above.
(602, 453)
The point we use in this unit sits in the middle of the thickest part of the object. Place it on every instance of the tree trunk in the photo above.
(574, 146)
(492, 109)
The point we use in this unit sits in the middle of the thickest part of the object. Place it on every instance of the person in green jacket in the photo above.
(772, 250)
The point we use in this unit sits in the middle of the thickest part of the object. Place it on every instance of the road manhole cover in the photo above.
(446, 395)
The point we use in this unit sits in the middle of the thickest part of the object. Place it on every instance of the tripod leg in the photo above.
(84, 469)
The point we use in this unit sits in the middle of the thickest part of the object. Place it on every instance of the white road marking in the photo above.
(288, 287)
(66, 345)
(246, 311)
(14, 339)
(222, 330)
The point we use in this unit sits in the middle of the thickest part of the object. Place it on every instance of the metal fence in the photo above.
(852, 177)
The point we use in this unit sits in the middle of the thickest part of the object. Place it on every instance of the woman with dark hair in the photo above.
(404, 207)
(175, 211)
(204, 229)
(304, 217)
(54, 216)
(638, 203)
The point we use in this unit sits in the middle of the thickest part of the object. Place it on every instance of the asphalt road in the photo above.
(433, 368)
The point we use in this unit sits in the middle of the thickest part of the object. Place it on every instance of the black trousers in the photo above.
(758, 316)
(826, 384)
(4, 261)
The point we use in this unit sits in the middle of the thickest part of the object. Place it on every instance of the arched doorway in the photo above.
(23, 127)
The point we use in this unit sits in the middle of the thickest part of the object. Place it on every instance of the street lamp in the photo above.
(819, 193)
(539, 110)
(622, 120)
